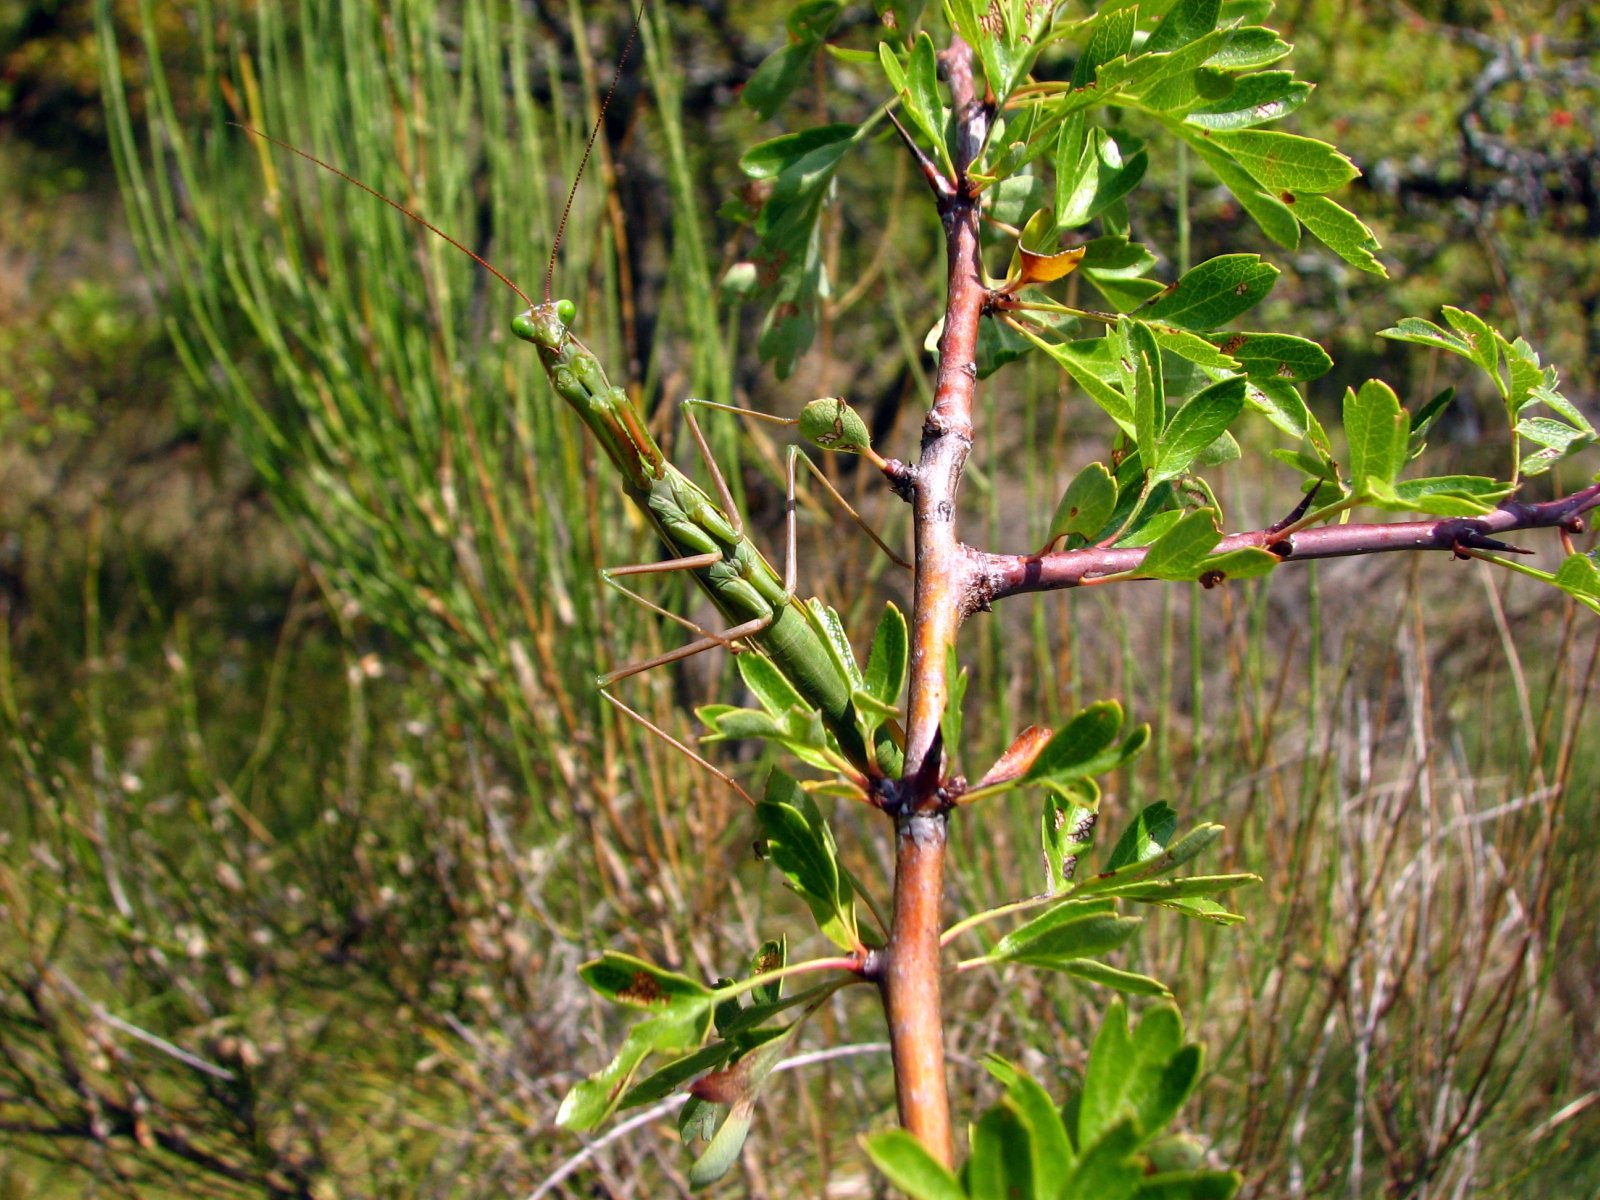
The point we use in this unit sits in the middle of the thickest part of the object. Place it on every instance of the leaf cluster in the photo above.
(1107, 1142)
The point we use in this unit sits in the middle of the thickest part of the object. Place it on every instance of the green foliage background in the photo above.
(303, 772)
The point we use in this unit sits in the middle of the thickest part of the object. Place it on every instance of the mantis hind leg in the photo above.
(725, 638)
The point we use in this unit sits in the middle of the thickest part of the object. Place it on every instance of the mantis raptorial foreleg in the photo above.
(794, 452)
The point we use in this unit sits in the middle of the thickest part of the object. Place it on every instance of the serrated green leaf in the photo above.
(1201, 421)
(1484, 346)
(1274, 217)
(1179, 553)
(1000, 1164)
(802, 847)
(1145, 837)
(1286, 162)
(1192, 347)
(1190, 1185)
(1378, 430)
(1253, 100)
(1281, 403)
(1426, 333)
(1214, 293)
(684, 1025)
(1249, 562)
(1088, 936)
(1579, 575)
(1066, 830)
(1110, 37)
(1250, 47)
(1183, 23)
(624, 979)
(909, 1167)
(1276, 355)
(1184, 850)
(1341, 231)
(1051, 1150)
(1132, 983)
(1086, 505)
(1080, 748)
(771, 687)
(886, 661)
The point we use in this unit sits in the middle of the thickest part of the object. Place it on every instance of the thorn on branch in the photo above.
(1298, 511)
(943, 189)
(1471, 539)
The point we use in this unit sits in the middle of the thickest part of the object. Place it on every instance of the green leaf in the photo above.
(1190, 1185)
(1101, 974)
(1180, 552)
(1253, 100)
(1250, 47)
(911, 1168)
(660, 1084)
(1110, 37)
(722, 1151)
(1276, 355)
(1080, 748)
(886, 662)
(1092, 173)
(1000, 1165)
(1341, 231)
(1426, 333)
(1142, 383)
(1579, 575)
(1185, 849)
(1183, 23)
(1145, 837)
(922, 97)
(1249, 562)
(955, 684)
(1178, 889)
(836, 639)
(685, 1024)
(1484, 346)
(802, 847)
(1056, 937)
(1066, 830)
(1201, 421)
(1193, 348)
(1086, 505)
(1050, 1147)
(1448, 495)
(1214, 293)
(624, 979)
(1079, 360)
(1286, 162)
(769, 159)
(771, 687)
(788, 67)
(1378, 430)
(1274, 217)
(1281, 403)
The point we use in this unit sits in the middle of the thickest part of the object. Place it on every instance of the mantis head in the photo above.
(545, 325)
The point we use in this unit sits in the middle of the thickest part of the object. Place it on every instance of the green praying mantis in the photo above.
(704, 536)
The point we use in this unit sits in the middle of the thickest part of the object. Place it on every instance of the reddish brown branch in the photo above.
(1014, 574)
(945, 579)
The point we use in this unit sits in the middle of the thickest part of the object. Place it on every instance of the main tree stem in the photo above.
(945, 580)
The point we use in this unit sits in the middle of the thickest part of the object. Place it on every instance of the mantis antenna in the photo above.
(572, 193)
(566, 211)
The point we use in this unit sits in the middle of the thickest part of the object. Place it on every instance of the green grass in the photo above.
(341, 819)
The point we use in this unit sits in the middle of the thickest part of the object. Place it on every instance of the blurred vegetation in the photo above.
(311, 808)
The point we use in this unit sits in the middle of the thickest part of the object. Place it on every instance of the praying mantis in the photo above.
(704, 536)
